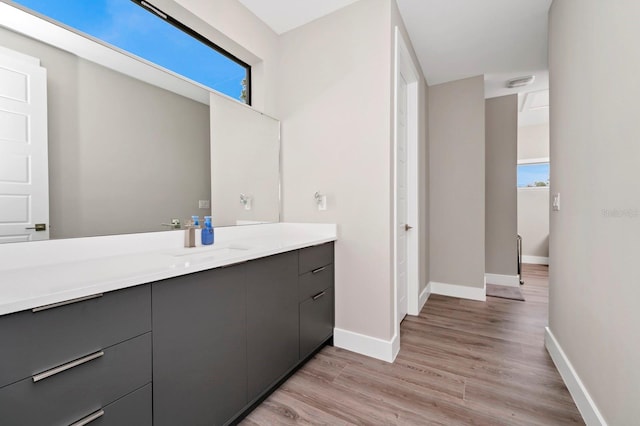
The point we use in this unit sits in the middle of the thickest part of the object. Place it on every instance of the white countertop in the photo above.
(40, 273)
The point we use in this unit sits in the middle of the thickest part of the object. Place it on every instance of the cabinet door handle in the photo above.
(66, 302)
(67, 366)
(315, 271)
(89, 418)
(318, 296)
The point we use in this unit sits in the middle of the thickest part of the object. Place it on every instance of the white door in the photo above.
(24, 181)
(401, 194)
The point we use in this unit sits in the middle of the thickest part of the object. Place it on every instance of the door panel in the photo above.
(401, 194)
(24, 181)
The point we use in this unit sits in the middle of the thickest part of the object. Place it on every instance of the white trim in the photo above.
(385, 350)
(460, 291)
(403, 63)
(424, 296)
(422, 299)
(505, 280)
(587, 407)
(534, 160)
(536, 260)
(395, 347)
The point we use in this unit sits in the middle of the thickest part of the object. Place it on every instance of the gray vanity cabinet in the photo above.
(272, 320)
(199, 347)
(316, 295)
(78, 361)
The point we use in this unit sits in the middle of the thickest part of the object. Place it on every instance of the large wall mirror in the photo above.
(130, 151)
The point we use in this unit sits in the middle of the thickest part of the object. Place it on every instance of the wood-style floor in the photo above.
(461, 363)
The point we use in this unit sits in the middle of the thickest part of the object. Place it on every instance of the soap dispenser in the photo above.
(207, 232)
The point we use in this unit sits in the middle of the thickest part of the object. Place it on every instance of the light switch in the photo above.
(556, 202)
(204, 204)
(322, 202)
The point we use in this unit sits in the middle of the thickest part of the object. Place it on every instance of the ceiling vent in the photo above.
(520, 81)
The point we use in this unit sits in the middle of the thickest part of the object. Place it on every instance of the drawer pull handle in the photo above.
(67, 366)
(318, 296)
(89, 418)
(66, 302)
(315, 271)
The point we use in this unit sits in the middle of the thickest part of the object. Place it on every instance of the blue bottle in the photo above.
(207, 232)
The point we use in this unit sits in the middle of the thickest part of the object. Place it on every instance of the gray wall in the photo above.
(457, 187)
(533, 221)
(501, 221)
(124, 156)
(594, 289)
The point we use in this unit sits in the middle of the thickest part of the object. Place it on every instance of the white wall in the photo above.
(501, 134)
(533, 142)
(457, 182)
(335, 103)
(594, 289)
(333, 98)
(245, 159)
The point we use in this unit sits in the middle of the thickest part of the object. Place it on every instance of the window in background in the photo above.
(139, 28)
(533, 175)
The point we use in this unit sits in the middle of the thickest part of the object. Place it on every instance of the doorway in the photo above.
(405, 220)
(24, 181)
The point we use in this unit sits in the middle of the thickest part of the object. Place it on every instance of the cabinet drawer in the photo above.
(71, 395)
(314, 282)
(134, 409)
(316, 322)
(36, 341)
(315, 257)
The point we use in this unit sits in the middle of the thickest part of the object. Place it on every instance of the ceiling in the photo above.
(453, 39)
(285, 15)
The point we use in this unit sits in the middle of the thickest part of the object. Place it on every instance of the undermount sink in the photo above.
(206, 251)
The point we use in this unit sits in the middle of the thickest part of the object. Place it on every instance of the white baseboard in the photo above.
(385, 350)
(415, 305)
(536, 260)
(460, 291)
(395, 347)
(581, 397)
(505, 280)
(424, 296)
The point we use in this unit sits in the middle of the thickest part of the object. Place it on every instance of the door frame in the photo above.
(403, 63)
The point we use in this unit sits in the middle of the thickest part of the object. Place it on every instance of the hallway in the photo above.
(461, 362)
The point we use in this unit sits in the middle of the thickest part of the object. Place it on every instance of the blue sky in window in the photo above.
(130, 27)
(528, 174)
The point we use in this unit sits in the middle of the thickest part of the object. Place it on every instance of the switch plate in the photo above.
(322, 204)
(556, 202)
(204, 204)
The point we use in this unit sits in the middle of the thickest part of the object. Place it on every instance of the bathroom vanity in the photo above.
(161, 336)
